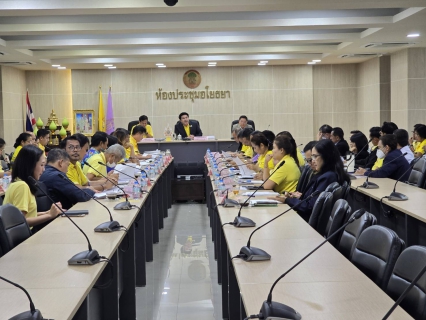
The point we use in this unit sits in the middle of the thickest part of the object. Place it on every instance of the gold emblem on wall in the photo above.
(192, 79)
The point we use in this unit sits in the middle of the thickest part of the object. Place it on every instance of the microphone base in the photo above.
(243, 222)
(109, 226)
(396, 196)
(230, 203)
(276, 311)
(84, 258)
(27, 315)
(369, 185)
(254, 254)
(123, 206)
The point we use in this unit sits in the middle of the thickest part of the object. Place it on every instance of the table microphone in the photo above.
(244, 164)
(85, 257)
(372, 185)
(242, 222)
(33, 314)
(119, 206)
(276, 310)
(125, 164)
(396, 196)
(127, 175)
(356, 156)
(109, 226)
(248, 253)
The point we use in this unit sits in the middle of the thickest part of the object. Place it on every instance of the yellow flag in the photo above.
(101, 113)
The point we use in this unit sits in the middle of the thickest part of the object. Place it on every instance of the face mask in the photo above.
(380, 154)
(324, 138)
(111, 165)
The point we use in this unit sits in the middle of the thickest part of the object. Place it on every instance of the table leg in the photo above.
(127, 299)
(140, 248)
(234, 293)
(155, 214)
(110, 295)
(149, 227)
(224, 254)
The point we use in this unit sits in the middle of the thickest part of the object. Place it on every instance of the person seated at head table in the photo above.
(394, 165)
(282, 178)
(143, 121)
(242, 123)
(261, 146)
(58, 161)
(337, 136)
(21, 192)
(123, 139)
(369, 162)
(43, 136)
(3, 157)
(358, 147)
(420, 136)
(72, 146)
(137, 135)
(327, 163)
(413, 141)
(187, 128)
(110, 157)
(402, 137)
(324, 132)
(244, 137)
(24, 139)
(98, 144)
(300, 158)
(34, 139)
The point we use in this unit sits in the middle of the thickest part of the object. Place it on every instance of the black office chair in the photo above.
(339, 215)
(43, 204)
(250, 122)
(347, 187)
(304, 179)
(337, 190)
(321, 212)
(132, 124)
(352, 232)
(417, 174)
(376, 252)
(13, 228)
(409, 264)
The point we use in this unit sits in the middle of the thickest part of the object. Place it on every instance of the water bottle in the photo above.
(221, 187)
(136, 190)
(5, 181)
(144, 183)
(151, 172)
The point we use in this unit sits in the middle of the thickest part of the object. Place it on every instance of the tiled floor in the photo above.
(182, 279)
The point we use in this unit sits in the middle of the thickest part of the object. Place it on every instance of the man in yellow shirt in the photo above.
(143, 121)
(420, 136)
(43, 136)
(137, 135)
(110, 157)
(75, 173)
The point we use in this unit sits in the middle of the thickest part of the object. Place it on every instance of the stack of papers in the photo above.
(262, 193)
(264, 202)
(125, 171)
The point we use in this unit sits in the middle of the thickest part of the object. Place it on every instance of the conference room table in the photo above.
(406, 218)
(61, 291)
(325, 286)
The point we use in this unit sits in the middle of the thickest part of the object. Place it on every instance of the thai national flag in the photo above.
(31, 121)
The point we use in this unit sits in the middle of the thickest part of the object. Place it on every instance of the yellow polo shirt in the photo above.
(187, 130)
(415, 144)
(300, 158)
(287, 177)
(76, 175)
(134, 144)
(419, 147)
(378, 164)
(261, 161)
(248, 151)
(18, 194)
(93, 161)
(42, 148)
(15, 154)
(148, 130)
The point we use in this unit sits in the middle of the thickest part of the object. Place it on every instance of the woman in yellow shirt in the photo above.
(123, 138)
(296, 153)
(261, 146)
(24, 139)
(283, 177)
(20, 193)
(420, 136)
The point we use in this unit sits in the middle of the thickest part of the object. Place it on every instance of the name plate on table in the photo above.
(148, 140)
(203, 138)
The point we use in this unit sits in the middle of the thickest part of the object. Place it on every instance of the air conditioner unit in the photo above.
(388, 44)
(360, 55)
(16, 63)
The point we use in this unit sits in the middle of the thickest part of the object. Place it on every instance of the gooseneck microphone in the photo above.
(275, 310)
(127, 175)
(240, 165)
(396, 196)
(243, 222)
(88, 257)
(33, 314)
(356, 156)
(248, 253)
(119, 206)
(372, 185)
(109, 226)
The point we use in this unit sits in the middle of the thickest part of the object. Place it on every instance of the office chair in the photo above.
(304, 179)
(339, 215)
(250, 122)
(417, 175)
(321, 212)
(132, 124)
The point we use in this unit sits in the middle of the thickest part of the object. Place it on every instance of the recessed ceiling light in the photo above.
(312, 62)
(316, 60)
(112, 67)
(163, 66)
(56, 65)
(212, 65)
(62, 67)
(413, 35)
(159, 64)
(108, 65)
(261, 64)
(264, 62)
(212, 62)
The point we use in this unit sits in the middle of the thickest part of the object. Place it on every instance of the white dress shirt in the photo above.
(409, 156)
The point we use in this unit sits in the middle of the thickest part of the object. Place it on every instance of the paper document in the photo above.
(261, 193)
(263, 202)
(128, 170)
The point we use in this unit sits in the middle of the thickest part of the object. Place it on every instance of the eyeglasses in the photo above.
(315, 156)
(72, 148)
(308, 160)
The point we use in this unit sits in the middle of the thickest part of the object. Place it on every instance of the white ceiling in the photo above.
(140, 33)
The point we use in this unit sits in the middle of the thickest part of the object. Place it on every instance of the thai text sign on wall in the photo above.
(193, 94)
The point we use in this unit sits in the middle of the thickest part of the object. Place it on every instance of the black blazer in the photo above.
(343, 147)
(398, 169)
(194, 129)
